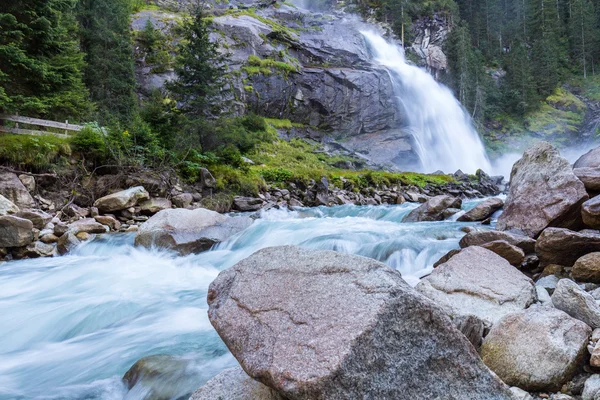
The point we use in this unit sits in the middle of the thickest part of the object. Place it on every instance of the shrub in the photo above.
(90, 143)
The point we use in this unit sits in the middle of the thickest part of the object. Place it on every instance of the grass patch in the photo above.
(270, 64)
(283, 123)
(34, 152)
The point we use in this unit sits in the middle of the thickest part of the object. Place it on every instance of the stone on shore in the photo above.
(234, 384)
(7, 207)
(38, 217)
(482, 211)
(154, 205)
(15, 231)
(590, 178)
(576, 302)
(324, 325)
(564, 247)
(543, 192)
(590, 212)
(433, 209)
(13, 189)
(480, 238)
(122, 200)
(514, 255)
(587, 268)
(591, 159)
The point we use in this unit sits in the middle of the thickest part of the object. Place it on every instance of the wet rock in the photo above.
(481, 237)
(591, 159)
(543, 192)
(154, 205)
(183, 200)
(14, 190)
(590, 212)
(483, 210)
(109, 221)
(121, 200)
(7, 207)
(37, 217)
(285, 307)
(478, 282)
(573, 300)
(15, 231)
(60, 229)
(564, 247)
(188, 231)
(587, 268)
(67, 242)
(433, 209)
(591, 389)
(235, 384)
(538, 349)
(28, 181)
(590, 178)
(247, 203)
(514, 255)
(49, 238)
(35, 250)
(87, 225)
(446, 257)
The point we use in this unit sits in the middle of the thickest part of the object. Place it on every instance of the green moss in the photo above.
(269, 63)
(283, 123)
(280, 30)
(249, 88)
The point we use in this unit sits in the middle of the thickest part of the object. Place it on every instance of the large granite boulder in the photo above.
(482, 211)
(433, 209)
(13, 189)
(122, 200)
(480, 238)
(15, 231)
(563, 247)
(543, 192)
(478, 282)
(235, 384)
(591, 159)
(576, 302)
(590, 178)
(590, 212)
(324, 325)
(7, 207)
(188, 231)
(538, 349)
(587, 268)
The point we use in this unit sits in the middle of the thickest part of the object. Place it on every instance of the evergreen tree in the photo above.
(583, 34)
(519, 92)
(107, 42)
(40, 61)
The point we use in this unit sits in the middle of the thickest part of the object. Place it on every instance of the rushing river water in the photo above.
(73, 325)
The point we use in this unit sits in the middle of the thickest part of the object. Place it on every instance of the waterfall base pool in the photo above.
(73, 325)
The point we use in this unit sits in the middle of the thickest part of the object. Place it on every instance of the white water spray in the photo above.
(443, 131)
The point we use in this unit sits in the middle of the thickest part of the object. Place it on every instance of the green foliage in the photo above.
(90, 143)
(270, 64)
(155, 47)
(34, 152)
(276, 175)
(161, 114)
(40, 60)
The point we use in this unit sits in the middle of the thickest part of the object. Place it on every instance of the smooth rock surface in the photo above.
(433, 209)
(87, 225)
(188, 231)
(13, 189)
(576, 302)
(154, 205)
(39, 218)
(591, 159)
(235, 384)
(509, 252)
(241, 203)
(479, 238)
(543, 192)
(538, 349)
(564, 247)
(590, 178)
(324, 325)
(7, 207)
(15, 231)
(483, 210)
(587, 268)
(122, 200)
(478, 282)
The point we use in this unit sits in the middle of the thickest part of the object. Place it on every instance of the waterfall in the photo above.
(443, 131)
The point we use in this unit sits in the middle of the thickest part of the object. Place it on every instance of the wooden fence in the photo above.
(63, 126)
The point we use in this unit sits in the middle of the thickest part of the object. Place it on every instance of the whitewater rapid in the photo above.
(73, 325)
(442, 130)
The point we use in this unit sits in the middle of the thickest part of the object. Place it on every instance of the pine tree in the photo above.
(40, 60)
(107, 41)
(519, 91)
(583, 34)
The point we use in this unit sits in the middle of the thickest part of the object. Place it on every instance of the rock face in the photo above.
(564, 247)
(15, 231)
(483, 210)
(543, 192)
(7, 207)
(235, 384)
(576, 302)
(324, 325)
(433, 209)
(478, 282)
(188, 231)
(121, 200)
(538, 349)
(480, 238)
(591, 159)
(587, 268)
(13, 189)
(590, 212)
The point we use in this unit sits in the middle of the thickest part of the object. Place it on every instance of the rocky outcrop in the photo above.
(433, 209)
(15, 231)
(564, 247)
(429, 42)
(478, 282)
(480, 238)
(122, 200)
(573, 300)
(235, 384)
(538, 349)
(482, 211)
(543, 192)
(188, 231)
(284, 308)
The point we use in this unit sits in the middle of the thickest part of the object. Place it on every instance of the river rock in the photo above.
(480, 238)
(122, 200)
(520, 394)
(183, 200)
(478, 282)
(35, 250)
(109, 221)
(87, 225)
(543, 192)
(482, 211)
(235, 384)
(510, 253)
(587, 268)
(154, 205)
(39, 218)
(590, 212)
(324, 325)
(538, 349)
(591, 159)
(564, 247)
(15, 231)
(576, 302)
(13, 189)
(7, 207)
(590, 178)
(591, 389)
(247, 203)
(73, 210)
(67, 242)
(433, 209)
(188, 231)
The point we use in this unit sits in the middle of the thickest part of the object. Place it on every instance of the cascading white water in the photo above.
(444, 134)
